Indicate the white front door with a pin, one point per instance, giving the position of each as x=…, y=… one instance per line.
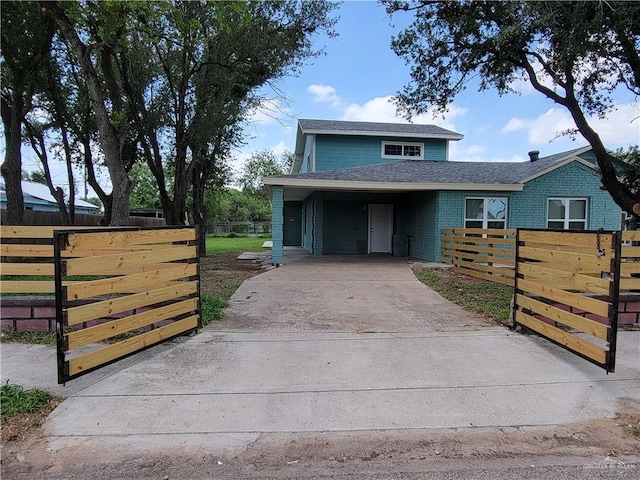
x=380, y=227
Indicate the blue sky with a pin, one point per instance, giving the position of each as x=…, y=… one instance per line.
x=359, y=74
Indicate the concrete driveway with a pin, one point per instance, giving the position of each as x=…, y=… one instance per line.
x=344, y=293
x=331, y=344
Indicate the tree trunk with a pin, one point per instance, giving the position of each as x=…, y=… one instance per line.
x=199, y=182
x=12, y=166
x=625, y=199
x=111, y=140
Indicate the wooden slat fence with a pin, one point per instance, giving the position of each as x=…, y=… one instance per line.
x=566, y=289
x=482, y=253
x=146, y=289
x=630, y=262
x=27, y=259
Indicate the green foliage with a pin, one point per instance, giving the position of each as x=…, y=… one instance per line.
x=144, y=193
x=574, y=53
x=581, y=45
x=36, y=176
x=38, y=338
x=261, y=164
x=15, y=400
x=631, y=173
x=212, y=307
x=230, y=205
x=234, y=244
x=486, y=298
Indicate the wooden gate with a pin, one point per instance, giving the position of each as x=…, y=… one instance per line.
x=121, y=291
x=567, y=288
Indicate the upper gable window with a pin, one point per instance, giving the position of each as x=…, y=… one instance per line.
x=409, y=150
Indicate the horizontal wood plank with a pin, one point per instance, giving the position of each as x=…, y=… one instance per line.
x=113, y=306
x=483, y=267
x=130, y=323
x=590, y=327
x=118, y=350
x=630, y=252
x=100, y=251
x=564, y=280
x=19, y=250
x=576, y=300
x=26, y=232
x=129, y=283
x=135, y=237
x=27, y=286
x=31, y=286
x=485, y=231
x=27, y=269
x=627, y=268
x=568, y=261
x=485, y=276
x=629, y=283
x=631, y=236
x=573, y=342
x=129, y=262
x=573, y=239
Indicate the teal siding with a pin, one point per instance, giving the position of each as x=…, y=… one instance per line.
x=423, y=213
x=318, y=223
x=307, y=155
x=345, y=227
x=341, y=151
x=307, y=225
x=528, y=209
x=277, y=206
x=292, y=227
x=589, y=156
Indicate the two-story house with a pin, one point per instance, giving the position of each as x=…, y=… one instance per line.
x=363, y=188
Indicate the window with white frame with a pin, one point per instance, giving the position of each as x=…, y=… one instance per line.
x=408, y=150
x=485, y=212
x=567, y=213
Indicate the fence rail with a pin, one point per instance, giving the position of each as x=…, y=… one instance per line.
x=38, y=218
x=140, y=287
x=484, y=253
x=566, y=289
x=490, y=254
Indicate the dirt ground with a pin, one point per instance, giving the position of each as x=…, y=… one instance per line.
x=222, y=272
x=340, y=455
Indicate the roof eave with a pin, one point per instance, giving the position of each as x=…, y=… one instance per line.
x=443, y=136
x=397, y=186
x=555, y=166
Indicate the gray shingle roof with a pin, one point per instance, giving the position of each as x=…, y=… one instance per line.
x=424, y=171
x=373, y=128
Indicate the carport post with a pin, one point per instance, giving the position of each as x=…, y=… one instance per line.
x=277, y=222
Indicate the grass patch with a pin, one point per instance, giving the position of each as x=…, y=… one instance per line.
x=236, y=244
x=16, y=400
x=212, y=306
x=492, y=300
x=38, y=338
x=23, y=410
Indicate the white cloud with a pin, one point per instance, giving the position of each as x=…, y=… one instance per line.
x=475, y=153
x=324, y=94
x=280, y=148
x=618, y=128
x=382, y=109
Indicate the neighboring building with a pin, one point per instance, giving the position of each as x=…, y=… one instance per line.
x=355, y=187
x=37, y=197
